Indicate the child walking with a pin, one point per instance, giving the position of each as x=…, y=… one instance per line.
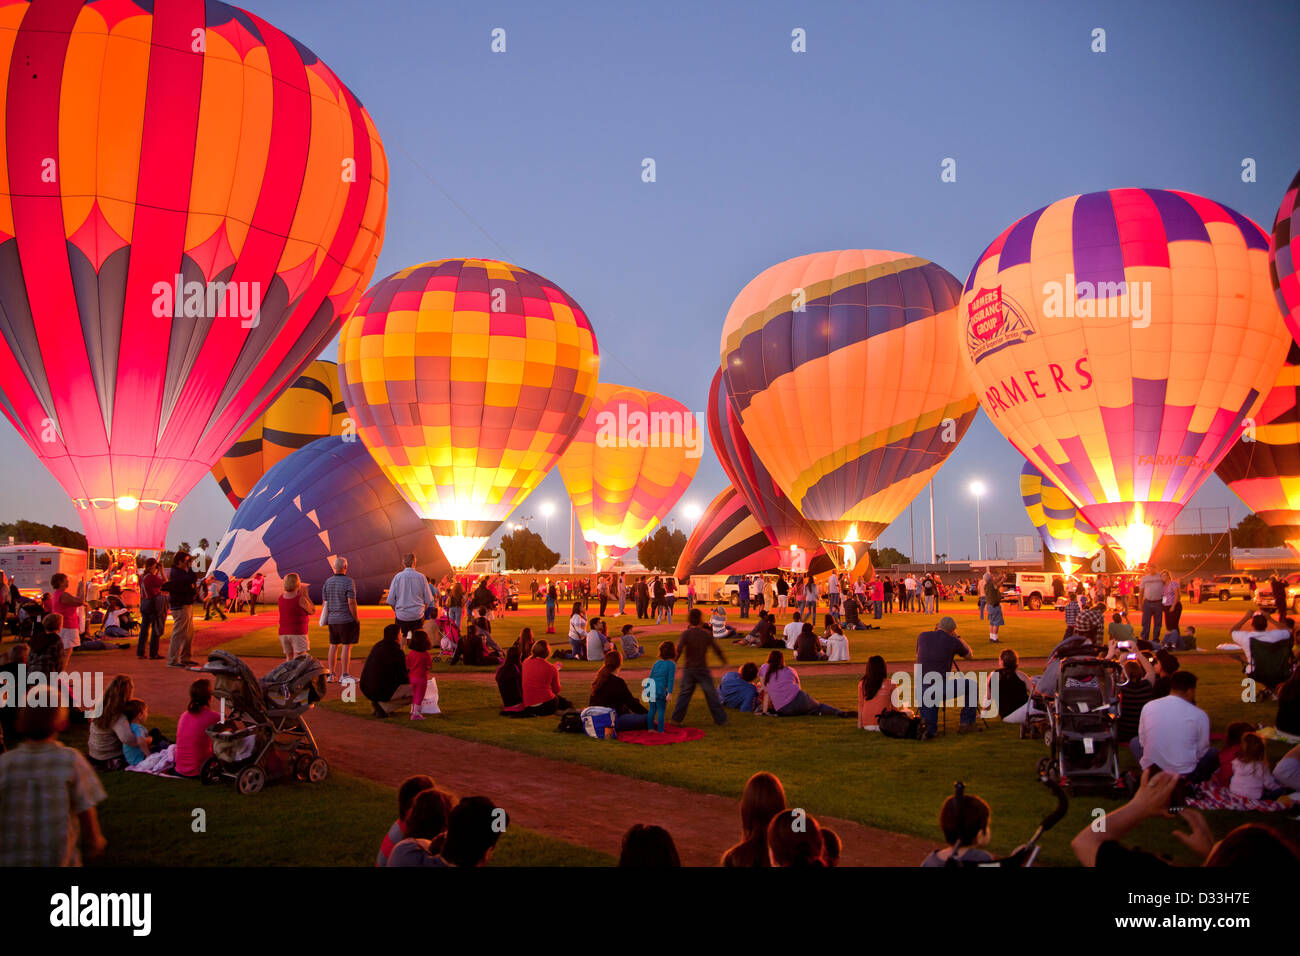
x=418, y=662
x=661, y=685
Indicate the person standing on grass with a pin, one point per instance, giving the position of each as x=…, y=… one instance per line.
x=622, y=592
x=339, y=595
x=692, y=650
x=782, y=593
x=660, y=686
x=295, y=611
x=409, y=595
x=153, y=611
x=68, y=605
x=993, y=604
x=1152, y=587
x=552, y=599
x=255, y=592
x=180, y=595
x=456, y=602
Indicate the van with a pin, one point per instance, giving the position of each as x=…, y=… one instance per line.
x=30, y=567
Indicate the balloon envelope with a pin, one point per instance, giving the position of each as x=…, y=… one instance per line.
x=729, y=540
x=769, y=505
x=627, y=466
x=311, y=408
x=1263, y=468
x=176, y=240
x=326, y=500
x=1119, y=340
x=1283, y=251
x=1066, y=534
x=844, y=372
x=467, y=378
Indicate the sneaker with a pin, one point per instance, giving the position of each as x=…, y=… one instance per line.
x=156, y=657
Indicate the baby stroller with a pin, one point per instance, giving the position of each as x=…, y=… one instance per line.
x=1082, y=732
x=263, y=733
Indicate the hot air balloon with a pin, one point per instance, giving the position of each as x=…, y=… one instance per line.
x=842, y=368
x=467, y=378
x=1066, y=534
x=629, y=463
x=729, y=540
x=191, y=203
x=1120, y=340
x=324, y=501
x=311, y=408
x=1282, y=257
x=767, y=503
x=1263, y=468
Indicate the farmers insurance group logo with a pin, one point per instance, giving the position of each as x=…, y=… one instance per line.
x=994, y=321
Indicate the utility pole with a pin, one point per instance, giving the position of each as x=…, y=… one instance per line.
x=911, y=524
x=570, y=536
x=933, y=553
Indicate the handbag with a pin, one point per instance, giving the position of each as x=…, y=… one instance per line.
x=899, y=725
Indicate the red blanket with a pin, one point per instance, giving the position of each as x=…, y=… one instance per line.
x=670, y=735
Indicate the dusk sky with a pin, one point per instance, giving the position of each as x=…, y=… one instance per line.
x=535, y=155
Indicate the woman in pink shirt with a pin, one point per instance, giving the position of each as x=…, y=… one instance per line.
x=541, y=683
x=193, y=747
x=875, y=692
x=295, y=606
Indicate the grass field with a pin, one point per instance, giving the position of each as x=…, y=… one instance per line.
x=151, y=821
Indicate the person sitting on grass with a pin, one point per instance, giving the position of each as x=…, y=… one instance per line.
x=627, y=644
x=875, y=694
x=610, y=690
x=837, y=645
x=473, y=828
x=738, y=689
x=807, y=647
x=510, y=683
x=596, y=642
x=110, y=730
x=1231, y=747
x=757, y=636
x=964, y=820
x=137, y=712
x=385, y=681
x=1119, y=629
x=763, y=799
x=648, y=847
x=1008, y=685
x=406, y=794
x=1252, y=847
x=794, y=839
x=722, y=631
x=48, y=793
x=1174, y=734
x=193, y=746
x=473, y=649
x=1251, y=777
x=541, y=684
x=784, y=697
x=425, y=826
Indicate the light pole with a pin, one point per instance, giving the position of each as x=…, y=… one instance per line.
x=977, y=489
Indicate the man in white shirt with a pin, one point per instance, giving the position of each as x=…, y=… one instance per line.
x=409, y=595
x=909, y=583
x=597, y=645
x=792, y=631
x=1174, y=734
x=1262, y=628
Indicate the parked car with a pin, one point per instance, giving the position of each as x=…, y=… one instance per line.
x=729, y=592
x=1036, y=588
x=1228, y=586
x=1264, y=594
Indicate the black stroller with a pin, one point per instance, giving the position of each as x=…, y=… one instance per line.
x=264, y=734
x=1082, y=727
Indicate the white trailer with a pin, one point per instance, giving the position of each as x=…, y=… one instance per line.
x=31, y=566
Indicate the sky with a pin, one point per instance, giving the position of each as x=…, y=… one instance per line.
x=535, y=156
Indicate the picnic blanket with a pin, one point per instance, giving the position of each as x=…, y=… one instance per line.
x=159, y=764
x=1213, y=796
x=670, y=735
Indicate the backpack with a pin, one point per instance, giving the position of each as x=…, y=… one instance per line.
x=598, y=722
x=897, y=724
x=570, y=723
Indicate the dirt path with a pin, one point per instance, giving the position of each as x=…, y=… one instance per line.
x=564, y=800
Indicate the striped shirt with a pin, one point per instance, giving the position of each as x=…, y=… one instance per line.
x=335, y=592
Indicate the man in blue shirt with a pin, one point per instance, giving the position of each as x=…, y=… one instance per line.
x=409, y=596
x=737, y=688
x=935, y=651
x=742, y=587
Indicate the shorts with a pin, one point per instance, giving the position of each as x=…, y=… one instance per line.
x=347, y=632
x=69, y=637
x=783, y=600
x=294, y=644
x=995, y=615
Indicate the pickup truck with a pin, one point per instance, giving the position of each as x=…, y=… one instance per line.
x=1264, y=594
